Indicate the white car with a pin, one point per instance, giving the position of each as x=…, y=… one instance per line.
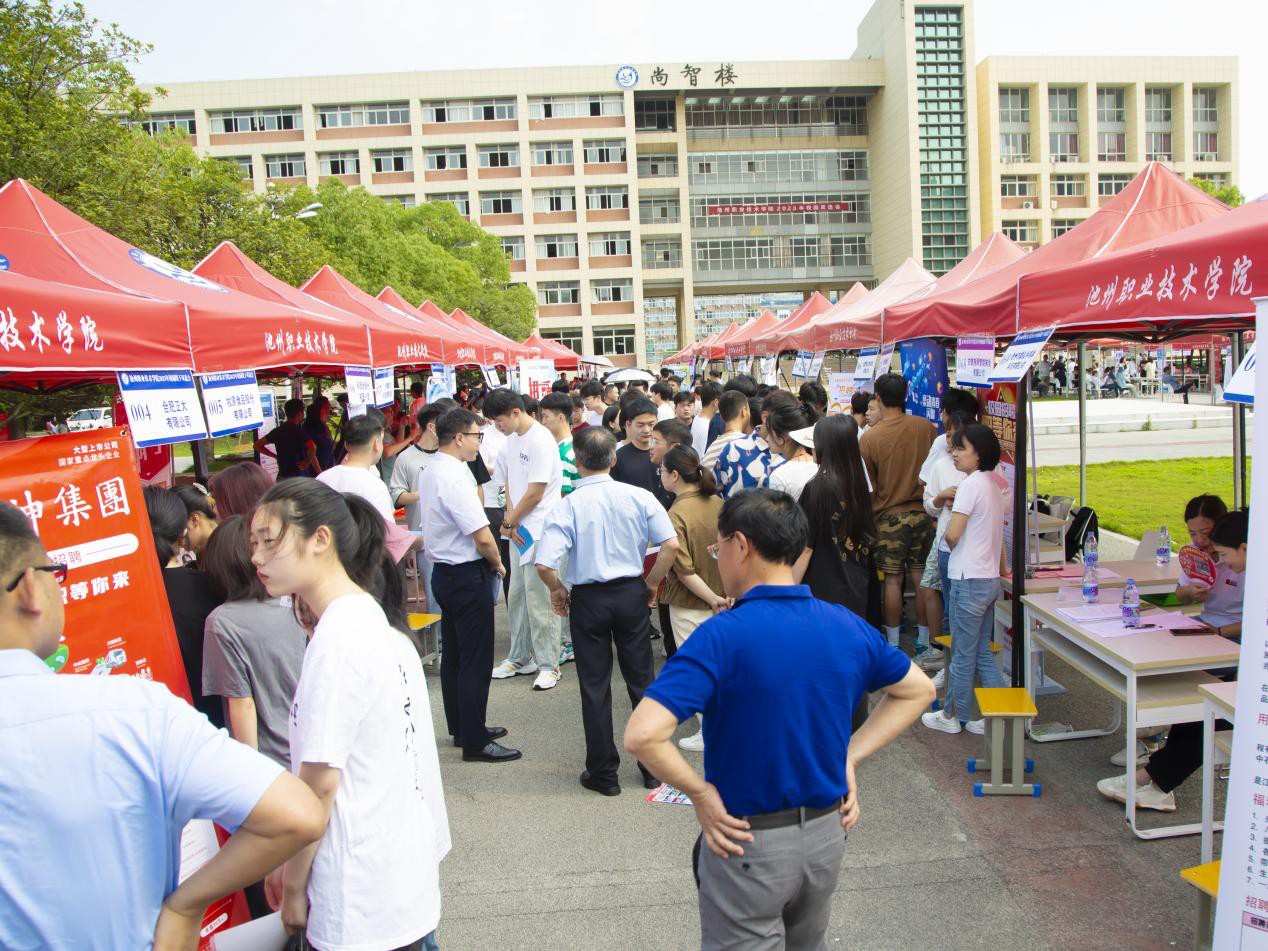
x=98, y=417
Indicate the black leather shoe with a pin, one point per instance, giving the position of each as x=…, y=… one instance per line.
x=492, y=753
x=495, y=733
x=650, y=781
x=595, y=786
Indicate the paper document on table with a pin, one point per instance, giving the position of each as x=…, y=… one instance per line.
x=1175, y=621
x=1102, y=574
x=1069, y=593
x=1116, y=629
x=1091, y=612
x=1169, y=621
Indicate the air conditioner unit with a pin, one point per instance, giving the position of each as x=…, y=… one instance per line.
x=1028, y=204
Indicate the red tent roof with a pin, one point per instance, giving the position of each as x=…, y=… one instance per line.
x=850, y=325
x=505, y=351
x=456, y=349
x=715, y=348
x=767, y=344
x=741, y=344
x=415, y=346
x=1156, y=202
x=1198, y=278
x=565, y=357
x=227, y=330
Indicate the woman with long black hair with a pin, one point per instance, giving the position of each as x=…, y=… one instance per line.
x=361, y=735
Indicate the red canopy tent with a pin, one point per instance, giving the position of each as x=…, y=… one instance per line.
x=739, y=347
x=565, y=357
x=856, y=324
x=715, y=347
x=505, y=352
x=1156, y=202
x=456, y=349
x=767, y=344
x=414, y=345
x=227, y=330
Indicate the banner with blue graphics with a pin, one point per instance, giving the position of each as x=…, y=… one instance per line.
x=925, y=369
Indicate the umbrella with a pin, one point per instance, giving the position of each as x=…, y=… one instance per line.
x=629, y=375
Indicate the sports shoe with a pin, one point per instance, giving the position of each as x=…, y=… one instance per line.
x=508, y=668
x=930, y=658
x=936, y=721
x=1148, y=796
x=976, y=726
x=940, y=679
x=547, y=677
x=693, y=743
x=566, y=655
x=1142, y=755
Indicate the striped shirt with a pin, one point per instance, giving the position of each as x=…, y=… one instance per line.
x=569, y=462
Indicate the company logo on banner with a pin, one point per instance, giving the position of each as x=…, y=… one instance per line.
x=1020, y=355
x=360, y=386
x=924, y=366
x=162, y=406
x=232, y=401
x=974, y=359
x=384, y=383
x=159, y=266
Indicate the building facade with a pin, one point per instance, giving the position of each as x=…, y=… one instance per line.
x=648, y=204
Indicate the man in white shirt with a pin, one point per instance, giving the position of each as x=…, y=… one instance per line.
x=466, y=568
x=592, y=396
x=663, y=397
x=358, y=473
x=709, y=395
x=531, y=470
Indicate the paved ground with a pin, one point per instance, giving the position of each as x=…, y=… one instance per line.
x=540, y=863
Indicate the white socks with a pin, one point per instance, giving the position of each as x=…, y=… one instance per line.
x=892, y=634
x=922, y=635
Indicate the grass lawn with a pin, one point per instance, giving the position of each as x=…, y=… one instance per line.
x=1133, y=497
x=239, y=444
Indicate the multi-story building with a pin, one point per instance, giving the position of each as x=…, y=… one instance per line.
x=638, y=199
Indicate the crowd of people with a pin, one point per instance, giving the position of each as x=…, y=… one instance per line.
x=606, y=519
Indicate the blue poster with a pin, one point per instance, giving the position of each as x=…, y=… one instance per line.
x=925, y=369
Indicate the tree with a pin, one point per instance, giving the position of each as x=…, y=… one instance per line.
x=1231, y=195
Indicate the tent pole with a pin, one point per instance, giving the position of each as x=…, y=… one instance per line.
x=1020, y=640
x=1082, y=358
x=1239, y=425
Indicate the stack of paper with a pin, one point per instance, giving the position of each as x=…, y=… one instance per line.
x=1085, y=613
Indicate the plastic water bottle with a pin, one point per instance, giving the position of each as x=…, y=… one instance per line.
x=1131, y=604
x=1089, y=550
x=1091, y=583
x=1164, y=548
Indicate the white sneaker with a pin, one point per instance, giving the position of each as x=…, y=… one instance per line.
x=693, y=743
x=1148, y=796
x=976, y=726
x=931, y=659
x=546, y=678
x=940, y=679
x=508, y=668
x=1142, y=755
x=936, y=721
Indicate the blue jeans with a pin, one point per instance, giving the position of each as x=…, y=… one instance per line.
x=944, y=566
x=429, y=942
x=972, y=622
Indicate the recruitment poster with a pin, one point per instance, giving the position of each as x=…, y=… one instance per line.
x=840, y=389
x=536, y=377
x=924, y=364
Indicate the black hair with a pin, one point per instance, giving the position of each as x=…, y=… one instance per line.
x=762, y=390
x=709, y=392
x=18, y=541
x=743, y=383
x=731, y=405
x=1205, y=506
x=813, y=396
x=777, y=398
x=168, y=520
x=361, y=430
x=593, y=448
x=313, y=414
x=357, y=531
x=785, y=419
x=772, y=521
x=957, y=400
x=431, y=413
x=196, y=501
x=531, y=406
x=663, y=390
x=560, y=403
x=592, y=388
x=891, y=390
x=859, y=400
x=836, y=498
x=227, y=563
x=610, y=416
x=639, y=406
x=628, y=394
x=754, y=410
x=577, y=401
x=958, y=420
x=1232, y=530
x=501, y=402
x=984, y=442
x=559, y=386
x=293, y=408
x=684, y=461
x=416, y=388
x=453, y=422
x=684, y=396
x=674, y=431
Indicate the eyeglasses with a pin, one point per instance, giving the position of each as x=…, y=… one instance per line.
x=479, y=436
x=59, y=572
x=713, y=551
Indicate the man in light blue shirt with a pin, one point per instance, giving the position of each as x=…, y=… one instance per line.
x=100, y=776
x=605, y=528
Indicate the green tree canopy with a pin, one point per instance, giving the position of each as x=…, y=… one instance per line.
x=1231, y=195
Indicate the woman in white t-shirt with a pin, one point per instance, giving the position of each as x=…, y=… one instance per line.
x=975, y=535
x=361, y=734
x=790, y=432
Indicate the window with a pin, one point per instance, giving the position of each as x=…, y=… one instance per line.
x=559, y=292
x=574, y=107
x=350, y=116
x=570, y=337
x=243, y=165
x=1017, y=186
x=501, y=203
x=284, y=166
x=1014, y=147
x=654, y=115
x=468, y=110
x=732, y=254
x=552, y=153
x=613, y=340
x=1110, y=109
x=655, y=210
x=1061, y=225
x=810, y=115
x=849, y=250
x=405, y=201
x=1064, y=146
x=1158, y=146
x=499, y=156
x=769, y=168
x=657, y=166
x=339, y=163
x=662, y=253
x=257, y=120
x=804, y=252
x=1023, y=232
x=607, y=196
x=1206, y=146
x=1158, y=106
x=393, y=160
x=1111, y=147
x=547, y=200
x=557, y=246
x=612, y=290
x=1205, y=105
x=459, y=200
x=603, y=151
x=156, y=123
x=513, y=245
x=1063, y=105
x=1014, y=105
x=610, y=244
x=1069, y=186
x=446, y=157
x=1107, y=185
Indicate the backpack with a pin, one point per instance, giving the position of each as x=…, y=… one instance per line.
x=1082, y=521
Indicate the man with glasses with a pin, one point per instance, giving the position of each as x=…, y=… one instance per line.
x=91, y=763
x=603, y=528
x=466, y=576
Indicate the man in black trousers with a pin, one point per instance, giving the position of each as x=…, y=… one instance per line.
x=466, y=561
x=605, y=527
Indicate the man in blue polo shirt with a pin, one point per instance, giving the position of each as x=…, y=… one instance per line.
x=779, y=756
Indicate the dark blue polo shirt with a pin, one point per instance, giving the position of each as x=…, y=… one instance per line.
x=777, y=678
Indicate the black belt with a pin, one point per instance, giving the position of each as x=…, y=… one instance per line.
x=789, y=817
x=600, y=584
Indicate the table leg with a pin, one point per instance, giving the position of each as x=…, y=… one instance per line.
x=1208, y=781
x=1131, y=750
